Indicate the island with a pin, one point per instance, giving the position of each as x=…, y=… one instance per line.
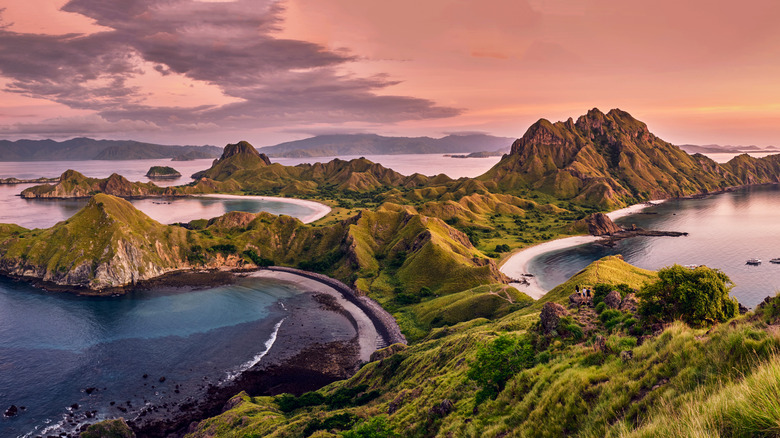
x=162, y=172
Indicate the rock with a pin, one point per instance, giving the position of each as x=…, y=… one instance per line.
x=442, y=409
x=742, y=309
x=90, y=390
x=600, y=224
x=576, y=300
x=613, y=299
x=11, y=411
x=626, y=355
x=630, y=303
x=74, y=406
x=162, y=379
x=551, y=316
x=386, y=352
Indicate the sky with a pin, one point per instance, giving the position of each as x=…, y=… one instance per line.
x=216, y=72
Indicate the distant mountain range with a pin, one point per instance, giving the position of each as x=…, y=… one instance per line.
x=715, y=148
x=81, y=148
x=372, y=144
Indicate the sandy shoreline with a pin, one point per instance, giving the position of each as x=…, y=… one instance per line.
x=368, y=336
x=516, y=265
x=319, y=209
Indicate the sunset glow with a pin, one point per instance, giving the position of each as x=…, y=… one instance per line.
x=186, y=71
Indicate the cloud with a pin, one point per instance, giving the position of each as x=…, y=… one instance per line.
x=61, y=127
x=279, y=81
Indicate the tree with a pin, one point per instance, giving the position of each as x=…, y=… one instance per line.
x=699, y=296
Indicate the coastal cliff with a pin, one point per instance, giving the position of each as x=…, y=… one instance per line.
x=73, y=184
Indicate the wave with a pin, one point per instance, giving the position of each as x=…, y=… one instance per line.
x=258, y=357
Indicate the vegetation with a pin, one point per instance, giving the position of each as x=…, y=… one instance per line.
x=699, y=297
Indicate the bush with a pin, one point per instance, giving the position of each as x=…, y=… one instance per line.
x=376, y=427
x=497, y=362
x=256, y=259
x=502, y=248
x=699, y=297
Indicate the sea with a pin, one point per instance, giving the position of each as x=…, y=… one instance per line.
x=724, y=231
x=64, y=357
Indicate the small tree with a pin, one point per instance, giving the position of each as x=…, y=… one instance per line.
x=699, y=297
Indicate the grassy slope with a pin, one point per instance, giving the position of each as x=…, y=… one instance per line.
x=680, y=374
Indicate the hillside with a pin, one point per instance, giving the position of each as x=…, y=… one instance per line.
x=75, y=185
x=610, y=160
x=79, y=149
x=564, y=371
x=372, y=144
x=106, y=244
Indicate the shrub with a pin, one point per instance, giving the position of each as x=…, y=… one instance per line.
x=376, y=427
x=256, y=259
x=497, y=362
x=699, y=297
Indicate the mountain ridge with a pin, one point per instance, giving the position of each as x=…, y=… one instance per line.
x=374, y=144
x=82, y=148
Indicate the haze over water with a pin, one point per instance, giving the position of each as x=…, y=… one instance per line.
x=724, y=230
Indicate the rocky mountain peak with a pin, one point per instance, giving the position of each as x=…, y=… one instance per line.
x=242, y=148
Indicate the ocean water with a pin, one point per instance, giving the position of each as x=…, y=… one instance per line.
x=724, y=230
x=53, y=346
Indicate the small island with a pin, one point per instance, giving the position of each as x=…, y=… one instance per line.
x=162, y=172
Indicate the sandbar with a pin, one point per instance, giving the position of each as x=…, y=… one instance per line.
x=319, y=210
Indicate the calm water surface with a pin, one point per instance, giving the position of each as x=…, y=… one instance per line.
x=54, y=346
x=724, y=231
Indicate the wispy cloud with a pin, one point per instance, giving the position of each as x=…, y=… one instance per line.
x=272, y=81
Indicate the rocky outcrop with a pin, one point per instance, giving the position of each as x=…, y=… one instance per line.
x=598, y=224
x=630, y=303
x=613, y=299
x=550, y=317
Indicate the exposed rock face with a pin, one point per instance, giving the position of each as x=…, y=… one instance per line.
x=613, y=299
x=386, y=352
x=576, y=300
x=599, y=224
x=629, y=303
x=550, y=317
x=612, y=159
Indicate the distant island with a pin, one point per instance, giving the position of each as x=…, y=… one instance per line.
x=483, y=154
x=727, y=149
x=372, y=144
x=162, y=172
x=81, y=148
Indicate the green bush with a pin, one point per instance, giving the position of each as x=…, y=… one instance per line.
x=376, y=427
x=256, y=259
x=497, y=362
x=699, y=297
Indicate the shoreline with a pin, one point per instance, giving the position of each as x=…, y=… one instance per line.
x=516, y=264
x=320, y=210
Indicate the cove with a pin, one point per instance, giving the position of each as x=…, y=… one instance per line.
x=67, y=358
x=724, y=229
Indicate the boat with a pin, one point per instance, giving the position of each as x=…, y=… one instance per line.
x=754, y=262
x=776, y=261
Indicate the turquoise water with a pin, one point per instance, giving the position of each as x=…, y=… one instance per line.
x=54, y=346
x=724, y=230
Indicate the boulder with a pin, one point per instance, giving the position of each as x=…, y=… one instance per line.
x=11, y=411
x=629, y=303
x=613, y=299
x=550, y=317
x=600, y=344
x=576, y=300
x=599, y=224
x=442, y=409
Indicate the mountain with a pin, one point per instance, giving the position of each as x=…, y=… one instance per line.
x=372, y=144
x=73, y=184
x=79, y=149
x=610, y=160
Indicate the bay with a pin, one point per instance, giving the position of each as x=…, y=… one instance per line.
x=725, y=230
x=55, y=346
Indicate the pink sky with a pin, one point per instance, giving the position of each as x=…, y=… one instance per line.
x=195, y=72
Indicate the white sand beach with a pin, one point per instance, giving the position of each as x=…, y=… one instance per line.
x=517, y=264
x=319, y=210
